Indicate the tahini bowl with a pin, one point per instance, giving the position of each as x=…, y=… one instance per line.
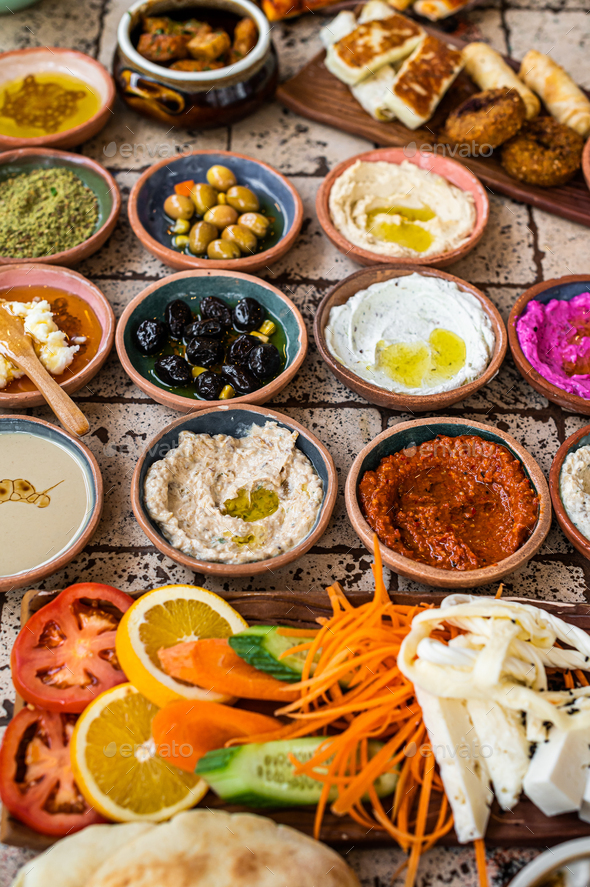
x=580, y=438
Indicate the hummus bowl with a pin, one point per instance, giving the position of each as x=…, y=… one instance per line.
x=384, y=397
x=235, y=423
x=563, y=289
x=455, y=175
x=574, y=442
x=192, y=287
x=407, y=437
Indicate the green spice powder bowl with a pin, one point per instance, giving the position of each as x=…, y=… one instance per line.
x=92, y=174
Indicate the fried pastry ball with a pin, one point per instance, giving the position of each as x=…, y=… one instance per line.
x=544, y=152
x=487, y=118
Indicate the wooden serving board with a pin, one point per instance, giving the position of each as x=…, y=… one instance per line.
x=524, y=826
x=315, y=93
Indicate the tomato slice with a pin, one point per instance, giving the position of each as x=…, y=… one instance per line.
x=36, y=780
x=65, y=655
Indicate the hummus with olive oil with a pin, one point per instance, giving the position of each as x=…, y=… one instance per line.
x=398, y=209
x=234, y=500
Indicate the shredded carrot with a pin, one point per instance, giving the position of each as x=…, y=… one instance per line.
x=581, y=677
x=500, y=590
x=288, y=632
x=568, y=680
x=480, y=858
x=184, y=188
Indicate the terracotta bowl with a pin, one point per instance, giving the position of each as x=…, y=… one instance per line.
x=579, y=439
x=235, y=422
x=344, y=290
x=19, y=63
x=411, y=434
x=92, y=174
x=557, y=288
x=586, y=162
x=82, y=455
x=548, y=866
x=192, y=286
x=455, y=172
x=72, y=282
x=275, y=192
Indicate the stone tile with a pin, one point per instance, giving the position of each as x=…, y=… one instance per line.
x=504, y=297
x=564, y=245
x=297, y=41
x=315, y=384
x=555, y=6
x=489, y=23
x=573, y=423
x=565, y=35
x=538, y=436
x=508, y=390
x=65, y=23
x=505, y=253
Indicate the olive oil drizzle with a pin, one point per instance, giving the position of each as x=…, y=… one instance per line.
x=404, y=233
x=252, y=506
x=42, y=105
x=423, y=364
x=21, y=490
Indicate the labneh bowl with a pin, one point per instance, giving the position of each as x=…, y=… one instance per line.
x=236, y=423
x=275, y=193
x=408, y=435
x=580, y=438
x=562, y=288
x=92, y=174
x=81, y=455
x=366, y=277
x=192, y=286
x=454, y=172
x=31, y=274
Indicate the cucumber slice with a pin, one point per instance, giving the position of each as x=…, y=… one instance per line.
x=262, y=646
x=261, y=775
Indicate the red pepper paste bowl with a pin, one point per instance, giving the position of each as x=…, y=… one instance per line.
x=407, y=436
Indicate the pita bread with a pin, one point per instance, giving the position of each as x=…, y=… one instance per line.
x=71, y=861
x=205, y=848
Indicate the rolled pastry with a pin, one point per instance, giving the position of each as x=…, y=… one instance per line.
x=562, y=98
x=373, y=92
x=343, y=25
x=488, y=70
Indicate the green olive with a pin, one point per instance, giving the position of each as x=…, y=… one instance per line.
x=242, y=199
x=178, y=207
x=223, y=249
x=180, y=226
x=221, y=177
x=242, y=236
x=202, y=233
x=256, y=222
x=204, y=197
x=221, y=216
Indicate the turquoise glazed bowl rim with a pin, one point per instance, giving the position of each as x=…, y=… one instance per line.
x=417, y=431
x=89, y=466
x=225, y=416
x=109, y=201
x=297, y=341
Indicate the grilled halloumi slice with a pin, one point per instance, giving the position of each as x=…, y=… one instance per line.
x=344, y=24
x=422, y=81
x=372, y=45
x=372, y=93
x=375, y=10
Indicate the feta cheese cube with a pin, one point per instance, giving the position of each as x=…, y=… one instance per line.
x=557, y=774
x=502, y=732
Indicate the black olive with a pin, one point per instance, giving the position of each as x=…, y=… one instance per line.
x=212, y=308
x=151, y=336
x=211, y=328
x=264, y=361
x=178, y=315
x=204, y=352
x=248, y=315
x=173, y=370
x=240, y=348
x=240, y=379
x=210, y=385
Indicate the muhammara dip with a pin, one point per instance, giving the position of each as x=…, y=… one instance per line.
x=234, y=499
x=412, y=335
x=574, y=488
x=400, y=210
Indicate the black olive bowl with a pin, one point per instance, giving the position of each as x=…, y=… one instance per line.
x=192, y=287
x=236, y=423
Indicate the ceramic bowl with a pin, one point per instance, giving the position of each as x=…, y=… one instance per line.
x=234, y=422
x=19, y=63
x=451, y=170
x=579, y=439
x=194, y=100
x=72, y=282
x=192, y=286
x=344, y=290
x=92, y=174
x=543, y=869
x=411, y=434
x=586, y=162
x=559, y=288
x=275, y=192
x=10, y=424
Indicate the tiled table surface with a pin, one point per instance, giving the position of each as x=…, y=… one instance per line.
x=522, y=246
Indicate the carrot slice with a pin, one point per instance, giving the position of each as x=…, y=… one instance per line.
x=215, y=666
x=186, y=730
x=184, y=188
